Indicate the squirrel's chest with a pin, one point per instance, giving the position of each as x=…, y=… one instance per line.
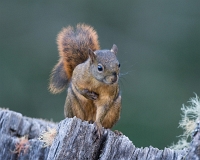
x=106, y=93
x=90, y=111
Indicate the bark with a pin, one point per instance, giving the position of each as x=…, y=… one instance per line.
x=76, y=140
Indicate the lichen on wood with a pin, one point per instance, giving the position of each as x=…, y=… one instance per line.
x=75, y=139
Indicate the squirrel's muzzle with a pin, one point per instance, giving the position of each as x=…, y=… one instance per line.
x=111, y=78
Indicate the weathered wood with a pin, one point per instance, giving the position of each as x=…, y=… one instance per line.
x=74, y=140
x=13, y=126
x=194, y=148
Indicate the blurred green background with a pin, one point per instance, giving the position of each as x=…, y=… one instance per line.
x=159, y=52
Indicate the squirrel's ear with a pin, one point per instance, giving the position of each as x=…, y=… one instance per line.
x=92, y=55
x=114, y=49
x=58, y=78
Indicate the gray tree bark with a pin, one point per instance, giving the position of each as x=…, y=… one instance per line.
x=76, y=140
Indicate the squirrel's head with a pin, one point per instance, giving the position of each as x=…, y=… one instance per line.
x=104, y=65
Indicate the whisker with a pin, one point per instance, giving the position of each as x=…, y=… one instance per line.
x=122, y=74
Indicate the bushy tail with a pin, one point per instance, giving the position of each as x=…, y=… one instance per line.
x=73, y=47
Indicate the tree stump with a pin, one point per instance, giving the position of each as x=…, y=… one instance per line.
x=76, y=139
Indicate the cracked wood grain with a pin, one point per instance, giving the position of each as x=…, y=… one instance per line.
x=75, y=139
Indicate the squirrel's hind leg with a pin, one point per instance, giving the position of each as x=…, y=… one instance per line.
x=72, y=106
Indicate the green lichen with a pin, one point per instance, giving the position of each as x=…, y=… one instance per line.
x=190, y=116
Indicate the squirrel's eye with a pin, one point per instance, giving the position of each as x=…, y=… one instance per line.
x=119, y=65
x=100, y=68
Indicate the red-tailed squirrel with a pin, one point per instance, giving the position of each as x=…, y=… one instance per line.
x=91, y=76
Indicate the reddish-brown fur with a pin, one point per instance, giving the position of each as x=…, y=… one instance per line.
x=71, y=47
x=77, y=66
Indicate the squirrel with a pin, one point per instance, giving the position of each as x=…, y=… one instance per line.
x=91, y=75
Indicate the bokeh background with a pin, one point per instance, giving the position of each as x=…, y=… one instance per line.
x=159, y=51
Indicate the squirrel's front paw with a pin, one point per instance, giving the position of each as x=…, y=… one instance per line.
x=99, y=129
x=89, y=95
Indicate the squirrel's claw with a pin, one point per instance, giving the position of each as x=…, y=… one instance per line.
x=99, y=129
x=90, y=121
x=118, y=133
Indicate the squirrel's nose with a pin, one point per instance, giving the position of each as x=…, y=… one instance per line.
x=110, y=79
x=114, y=77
